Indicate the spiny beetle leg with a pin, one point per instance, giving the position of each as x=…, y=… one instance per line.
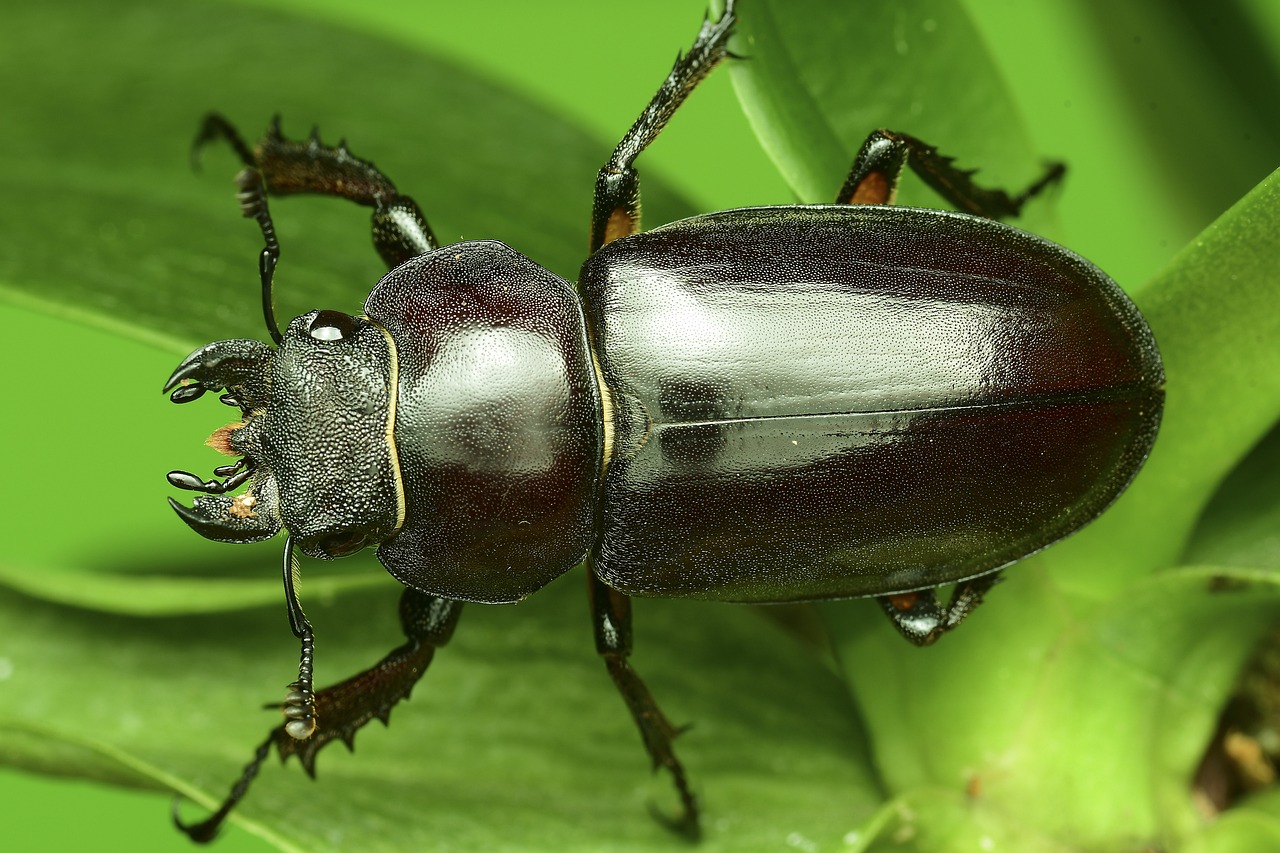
x=615, y=210
x=399, y=229
x=342, y=709
x=920, y=617
x=611, y=615
x=878, y=168
x=253, y=205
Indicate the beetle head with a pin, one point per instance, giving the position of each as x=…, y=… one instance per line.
x=314, y=439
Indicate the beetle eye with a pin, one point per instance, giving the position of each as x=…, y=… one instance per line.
x=332, y=326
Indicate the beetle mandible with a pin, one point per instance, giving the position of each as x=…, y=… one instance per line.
x=757, y=405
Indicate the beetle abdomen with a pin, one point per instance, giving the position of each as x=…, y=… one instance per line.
x=847, y=400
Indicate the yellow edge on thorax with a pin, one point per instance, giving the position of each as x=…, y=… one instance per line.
x=393, y=396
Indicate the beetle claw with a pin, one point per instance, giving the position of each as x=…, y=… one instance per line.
x=228, y=519
x=239, y=365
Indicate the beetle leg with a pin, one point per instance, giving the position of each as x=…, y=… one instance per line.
x=920, y=617
x=342, y=709
x=399, y=229
x=878, y=168
x=611, y=613
x=253, y=205
x=615, y=210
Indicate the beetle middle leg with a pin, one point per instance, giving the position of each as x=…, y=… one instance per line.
x=615, y=210
x=611, y=615
x=878, y=168
x=922, y=619
x=344, y=708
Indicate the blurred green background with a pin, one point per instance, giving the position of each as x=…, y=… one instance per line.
x=1129, y=94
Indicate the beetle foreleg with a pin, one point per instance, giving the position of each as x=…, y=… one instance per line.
x=615, y=210
x=878, y=168
x=611, y=614
x=399, y=229
x=342, y=709
x=920, y=617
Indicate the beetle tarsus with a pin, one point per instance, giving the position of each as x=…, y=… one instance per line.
x=658, y=734
x=206, y=830
x=253, y=205
x=886, y=153
x=922, y=619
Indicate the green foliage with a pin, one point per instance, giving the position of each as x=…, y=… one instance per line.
x=1069, y=713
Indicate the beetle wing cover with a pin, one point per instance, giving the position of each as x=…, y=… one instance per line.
x=846, y=400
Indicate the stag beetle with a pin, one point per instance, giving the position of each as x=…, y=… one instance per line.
x=770, y=404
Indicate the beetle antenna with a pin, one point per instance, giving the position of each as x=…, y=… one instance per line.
x=299, y=711
x=253, y=205
x=300, y=701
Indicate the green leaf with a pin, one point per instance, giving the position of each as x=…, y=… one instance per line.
x=1241, y=525
x=114, y=228
x=1066, y=714
x=515, y=740
x=1215, y=311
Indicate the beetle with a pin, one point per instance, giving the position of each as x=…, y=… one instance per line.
x=762, y=405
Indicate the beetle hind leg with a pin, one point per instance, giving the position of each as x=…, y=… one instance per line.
x=611, y=614
x=342, y=709
x=878, y=168
x=922, y=619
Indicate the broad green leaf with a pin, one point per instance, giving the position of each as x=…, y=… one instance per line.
x=113, y=226
x=1215, y=311
x=1241, y=525
x=990, y=738
x=160, y=255
x=515, y=740
x=1077, y=730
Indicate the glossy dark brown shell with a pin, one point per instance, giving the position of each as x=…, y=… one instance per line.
x=832, y=401
x=497, y=423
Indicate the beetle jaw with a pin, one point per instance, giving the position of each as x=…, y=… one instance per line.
x=224, y=518
x=243, y=368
